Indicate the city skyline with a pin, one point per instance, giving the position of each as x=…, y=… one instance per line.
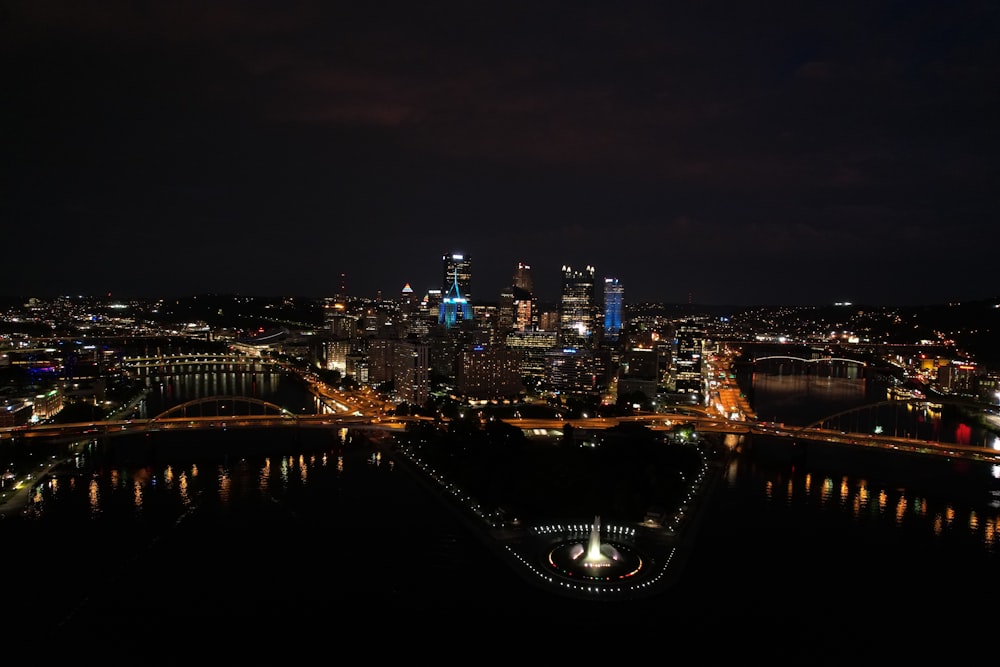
x=723, y=154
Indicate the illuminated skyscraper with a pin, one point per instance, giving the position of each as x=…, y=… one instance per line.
x=411, y=371
x=457, y=269
x=614, y=295
x=522, y=277
x=518, y=310
x=690, y=338
x=576, y=308
x=533, y=347
x=407, y=299
x=454, y=307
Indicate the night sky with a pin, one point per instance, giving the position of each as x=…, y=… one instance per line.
x=718, y=152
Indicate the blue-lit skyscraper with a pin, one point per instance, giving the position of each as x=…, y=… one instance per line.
x=614, y=296
x=457, y=270
x=456, y=286
x=454, y=307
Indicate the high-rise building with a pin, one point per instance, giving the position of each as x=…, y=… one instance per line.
x=525, y=310
x=404, y=362
x=505, y=319
x=488, y=372
x=336, y=353
x=407, y=299
x=614, y=295
x=411, y=371
x=690, y=337
x=522, y=277
x=381, y=357
x=570, y=370
x=548, y=319
x=532, y=346
x=431, y=303
x=518, y=310
x=576, y=308
x=457, y=270
x=454, y=307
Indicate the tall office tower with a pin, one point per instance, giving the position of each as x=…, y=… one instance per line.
x=690, y=338
x=505, y=316
x=414, y=318
x=532, y=346
x=518, y=310
x=381, y=355
x=576, y=309
x=457, y=269
x=525, y=310
x=431, y=302
x=454, y=307
x=411, y=371
x=525, y=302
x=407, y=299
x=342, y=326
x=614, y=296
x=548, y=320
x=522, y=277
x=337, y=351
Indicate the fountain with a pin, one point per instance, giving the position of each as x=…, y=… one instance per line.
x=596, y=554
x=594, y=560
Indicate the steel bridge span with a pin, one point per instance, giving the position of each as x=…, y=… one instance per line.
x=206, y=361
x=916, y=417
x=815, y=360
x=248, y=412
x=785, y=364
x=219, y=403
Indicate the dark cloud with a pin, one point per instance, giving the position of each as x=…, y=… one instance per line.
x=721, y=151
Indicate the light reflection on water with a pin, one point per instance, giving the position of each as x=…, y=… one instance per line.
x=861, y=499
x=265, y=475
x=137, y=492
x=170, y=489
x=94, y=496
x=827, y=490
x=224, y=484
x=942, y=519
x=899, y=507
x=101, y=491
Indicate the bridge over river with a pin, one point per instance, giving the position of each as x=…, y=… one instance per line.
x=236, y=412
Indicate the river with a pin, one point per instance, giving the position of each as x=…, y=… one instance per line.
x=283, y=535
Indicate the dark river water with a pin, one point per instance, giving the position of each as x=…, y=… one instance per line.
x=240, y=536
